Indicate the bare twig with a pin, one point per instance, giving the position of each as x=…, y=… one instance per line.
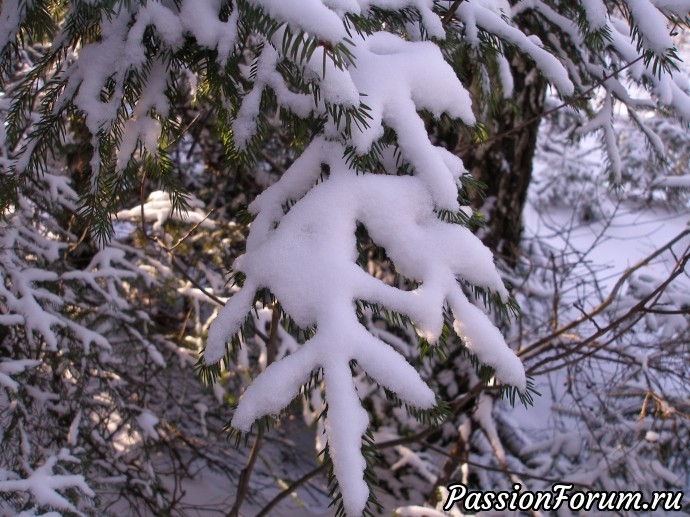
x=535, y=348
x=192, y=230
x=584, y=313
x=290, y=489
x=556, y=293
x=243, y=485
x=245, y=475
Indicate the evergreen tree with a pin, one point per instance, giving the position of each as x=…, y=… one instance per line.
x=343, y=93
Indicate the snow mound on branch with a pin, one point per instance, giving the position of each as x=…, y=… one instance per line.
x=309, y=263
x=158, y=209
x=395, y=79
x=399, y=78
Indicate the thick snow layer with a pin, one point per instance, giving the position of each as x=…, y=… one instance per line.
x=200, y=18
x=651, y=24
x=10, y=15
x=595, y=11
x=310, y=15
x=142, y=126
x=395, y=79
x=398, y=78
x=308, y=263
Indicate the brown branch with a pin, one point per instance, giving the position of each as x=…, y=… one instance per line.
x=450, y=12
x=638, y=309
x=538, y=346
x=243, y=485
x=290, y=489
x=271, y=344
x=664, y=311
x=245, y=475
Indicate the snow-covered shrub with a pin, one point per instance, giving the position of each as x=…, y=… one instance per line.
x=68, y=395
x=92, y=382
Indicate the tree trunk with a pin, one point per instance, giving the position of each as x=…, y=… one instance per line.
x=504, y=165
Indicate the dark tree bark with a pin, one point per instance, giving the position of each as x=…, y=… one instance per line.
x=504, y=165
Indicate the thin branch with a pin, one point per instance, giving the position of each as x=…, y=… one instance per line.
x=451, y=12
x=245, y=475
x=584, y=313
x=665, y=311
x=290, y=489
x=243, y=485
x=192, y=230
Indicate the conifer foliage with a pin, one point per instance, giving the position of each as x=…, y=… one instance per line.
x=352, y=85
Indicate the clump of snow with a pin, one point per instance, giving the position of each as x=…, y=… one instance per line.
x=308, y=262
x=595, y=12
x=651, y=436
x=45, y=485
x=147, y=423
x=651, y=24
x=399, y=78
x=159, y=209
x=10, y=15
x=310, y=15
